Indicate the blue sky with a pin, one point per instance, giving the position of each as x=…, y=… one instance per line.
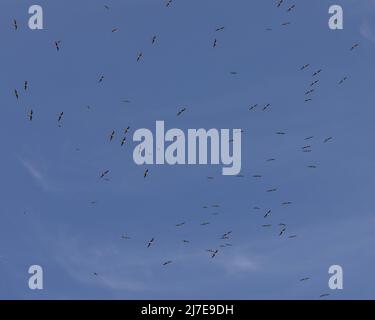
x=48, y=186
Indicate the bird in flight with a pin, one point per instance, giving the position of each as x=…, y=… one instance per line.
x=220, y=29
x=181, y=111
x=101, y=79
x=114, y=30
x=139, y=57
x=205, y=223
x=167, y=262
x=153, y=39
x=145, y=174
x=16, y=93
x=286, y=203
x=266, y=107
x=180, y=224
x=214, y=253
x=125, y=237
x=314, y=83
x=104, y=173
x=324, y=295
x=271, y=190
x=305, y=66
x=215, y=43
x=60, y=116
x=343, y=79
x=328, y=139
x=169, y=2
x=253, y=107
x=30, y=115
x=126, y=130
x=312, y=166
x=112, y=135
x=267, y=213
x=26, y=84
x=107, y=7
x=282, y=231
x=354, y=46
x=304, y=279
x=291, y=8
x=317, y=72
x=57, y=45
x=150, y=243
x=15, y=24
x=123, y=140
x=310, y=137
x=286, y=24
x=280, y=3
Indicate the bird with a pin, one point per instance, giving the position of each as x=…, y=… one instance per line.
x=280, y=3
x=354, y=46
x=153, y=39
x=104, y=173
x=267, y=213
x=185, y=241
x=180, y=224
x=286, y=24
x=167, y=262
x=112, y=135
x=169, y=2
x=16, y=93
x=25, y=85
x=101, y=79
x=291, y=8
x=292, y=236
x=343, y=79
x=309, y=138
x=57, y=45
x=114, y=30
x=30, y=115
x=266, y=107
x=266, y=225
x=280, y=133
x=127, y=130
x=271, y=190
x=139, y=56
x=304, y=279
x=253, y=107
x=125, y=237
x=205, y=223
x=95, y=274
x=15, y=25
x=305, y=66
x=282, y=231
x=123, y=140
x=271, y=159
x=328, y=139
x=60, y=116
x=219, y=29
x=107, y=7
x=145, y=173
x=215, y=43
x=309, y=91
x=324, y=295
x=307, y=100
x=181, y=111
x=314, y=83
x=312, y=166
x=233, y=73
x=214, y=253
x=286, y=203
x=317, y=72
x=257, y=176
x=150, y=243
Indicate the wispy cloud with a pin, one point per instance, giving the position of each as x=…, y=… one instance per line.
x=367, y=31
x=35, y=174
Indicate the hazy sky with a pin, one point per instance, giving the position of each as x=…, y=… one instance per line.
x=50, y=174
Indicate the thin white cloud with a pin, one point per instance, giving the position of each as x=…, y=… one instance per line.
x=35, y=174
x=367, y=31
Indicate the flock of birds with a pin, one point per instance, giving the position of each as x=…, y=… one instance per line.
x=282, y=228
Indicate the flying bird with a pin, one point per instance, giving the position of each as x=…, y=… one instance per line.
x=145, y=174
x=328, y=139
x=57, y=45
x=317, y=72
x=30, y=115
x=123, y=140
x=101, y=79
x=153, y=39
x=304, y=279
x=169, y=2
x=280, y=3
x=139, y=57
x=114, y=30
x=104, y=173
x=15, y=24
x=16, y=93
x=305, y=66
x=150, y=243
x=60, y=116
x=354, y=46
x=181, y=111
x=291, y=8
x=220, y=29
x=267, y=213
x=167, y=262
x=112, y=135
x=253, y=107
x=343, y=79
x=215, y=43
x=25, y=86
